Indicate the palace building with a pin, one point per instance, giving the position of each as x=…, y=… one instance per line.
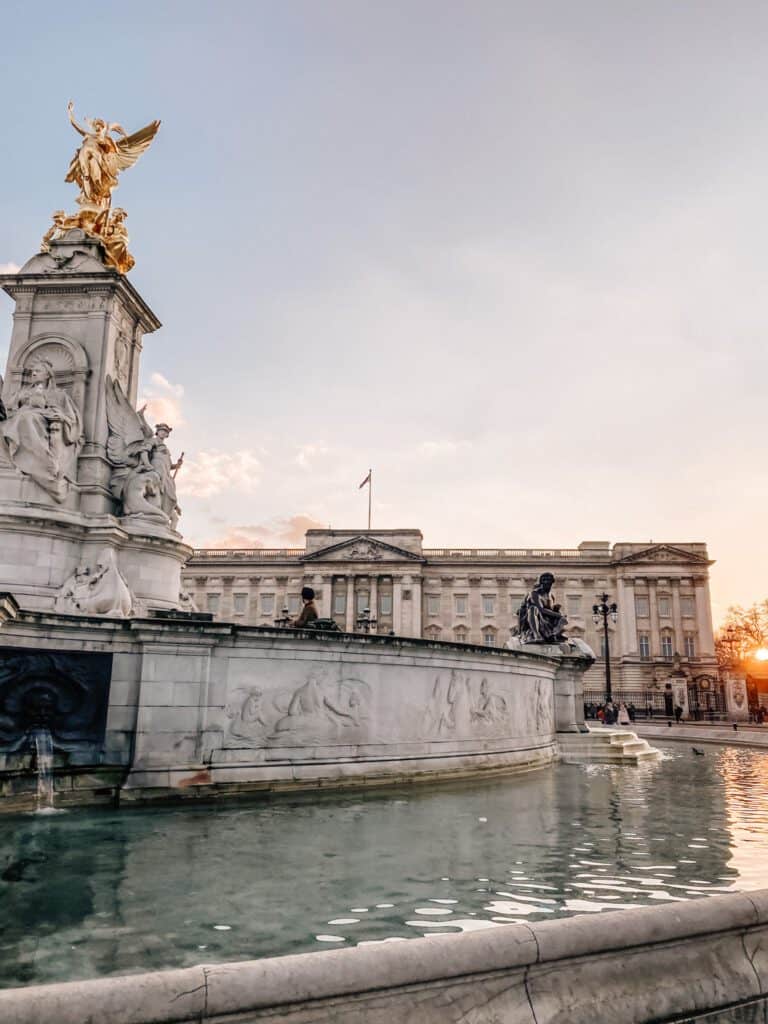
x=471, y=595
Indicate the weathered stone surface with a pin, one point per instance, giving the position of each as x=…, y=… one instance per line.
x=644, y=965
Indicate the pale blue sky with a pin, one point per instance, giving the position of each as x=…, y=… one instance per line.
x=509, y=254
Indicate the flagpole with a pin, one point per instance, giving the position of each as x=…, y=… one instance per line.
x=370, y=488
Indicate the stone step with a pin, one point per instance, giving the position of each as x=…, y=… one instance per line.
x=606, y=746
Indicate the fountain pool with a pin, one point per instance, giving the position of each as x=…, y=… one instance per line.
x=96, y=893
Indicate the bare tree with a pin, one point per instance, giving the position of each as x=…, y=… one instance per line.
x=743, y=631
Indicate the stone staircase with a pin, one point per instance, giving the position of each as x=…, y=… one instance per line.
x=605, y=745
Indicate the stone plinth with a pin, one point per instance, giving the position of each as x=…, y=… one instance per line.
x=85, y=323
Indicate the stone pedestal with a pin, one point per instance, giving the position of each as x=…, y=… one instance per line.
x=85, y=322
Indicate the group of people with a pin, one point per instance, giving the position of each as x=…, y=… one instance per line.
x=610, y=713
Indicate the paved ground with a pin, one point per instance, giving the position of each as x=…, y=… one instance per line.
x=745, y=735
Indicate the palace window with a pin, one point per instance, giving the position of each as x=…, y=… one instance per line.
x=489, y=637
x=515, y=600
x=213, y=603
x=644, y=643
x=666, y=645
x=602, y=645
x=489, y=604
x=293, y=604
x=688, y=607
x=460, y=634
x=433, y=604
x=574, y=604
x=665, y=606
x=240, y=604
x=267, y=604
x=385, y=604
x=460, y=601
x=361, y=601
x=433, y=632
x=690, y=645
x=642, y=607
x=339, y=603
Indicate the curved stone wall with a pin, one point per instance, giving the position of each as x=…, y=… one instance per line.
x=302, y=707
x=705, y=961
x=197, y=707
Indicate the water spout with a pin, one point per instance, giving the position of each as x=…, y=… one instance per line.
x=43, y=742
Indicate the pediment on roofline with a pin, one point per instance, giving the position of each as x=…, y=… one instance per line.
x=363, y=549
x=663, y=553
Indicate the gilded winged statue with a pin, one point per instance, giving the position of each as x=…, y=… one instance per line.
x=100, y=158
x=105, y=151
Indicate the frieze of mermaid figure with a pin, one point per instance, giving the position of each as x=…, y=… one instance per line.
x=98, y=591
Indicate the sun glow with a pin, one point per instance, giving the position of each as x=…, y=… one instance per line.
x=762, y=654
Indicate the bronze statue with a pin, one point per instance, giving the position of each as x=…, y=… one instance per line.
x=540, y=620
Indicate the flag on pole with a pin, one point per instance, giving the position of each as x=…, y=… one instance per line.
x=366, y=481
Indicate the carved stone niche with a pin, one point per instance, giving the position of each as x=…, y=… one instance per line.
x=62, y=691
x=69, y=361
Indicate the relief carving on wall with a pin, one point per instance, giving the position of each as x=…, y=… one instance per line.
x=462, y=706
x=316, y=713
x=365, y=552
x=101, y=590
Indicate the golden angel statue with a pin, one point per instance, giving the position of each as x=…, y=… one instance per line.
x=100, y=158
x=94, y=169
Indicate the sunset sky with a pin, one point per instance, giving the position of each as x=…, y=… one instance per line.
x=510, y=255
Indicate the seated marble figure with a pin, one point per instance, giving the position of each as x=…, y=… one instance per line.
x=42, y=432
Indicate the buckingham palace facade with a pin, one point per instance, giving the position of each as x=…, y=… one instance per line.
x=471, y=595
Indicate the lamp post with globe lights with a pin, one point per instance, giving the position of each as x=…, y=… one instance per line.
x=601, y=612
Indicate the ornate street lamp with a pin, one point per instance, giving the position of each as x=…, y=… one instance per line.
x=601, y=612
x=364, y=621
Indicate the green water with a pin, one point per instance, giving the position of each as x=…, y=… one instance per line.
x=93, y=893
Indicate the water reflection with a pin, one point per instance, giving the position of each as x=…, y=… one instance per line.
x=94, y=893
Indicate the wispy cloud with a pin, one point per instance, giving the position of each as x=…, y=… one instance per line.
x=276, y=533
x=163, y=401
x=309, y=453
x=438, y=449
x=214, y=472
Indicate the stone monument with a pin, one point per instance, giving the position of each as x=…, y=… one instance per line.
x=88, y=507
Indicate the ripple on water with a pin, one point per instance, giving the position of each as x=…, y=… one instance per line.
x=564, y=840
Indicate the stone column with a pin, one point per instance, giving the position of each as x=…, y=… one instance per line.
x=569, y=693
x=325, y=609
x=281, y=596
x=350, y=619
x=628, y=614
x=706, y=637
x=373, y=599
x=416, y=611
x=677, y=618
x=397, y=604
x=654, y=611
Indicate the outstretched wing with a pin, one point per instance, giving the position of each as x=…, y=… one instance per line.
x=131, y=147
x=128, y=430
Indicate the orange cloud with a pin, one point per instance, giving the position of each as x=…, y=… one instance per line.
x=277, y=533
